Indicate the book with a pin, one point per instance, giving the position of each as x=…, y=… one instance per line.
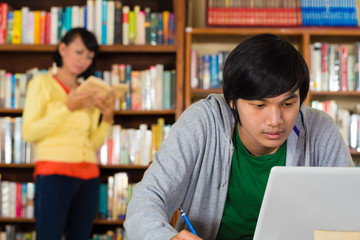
x=94, y=83
x=335, y=235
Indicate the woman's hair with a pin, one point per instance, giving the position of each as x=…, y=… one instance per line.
x=264, y=66
x=90, y=43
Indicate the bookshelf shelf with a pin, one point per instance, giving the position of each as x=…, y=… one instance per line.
x=102, y=48
x=328, y=93
x=32, y=221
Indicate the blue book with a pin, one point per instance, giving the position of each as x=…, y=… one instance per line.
x=214, y=71
x=104, y=22
x=85, y=17
x=103, y=200
x=13, y=87
x=128, y=81
x=67, y=22
x=160, y=33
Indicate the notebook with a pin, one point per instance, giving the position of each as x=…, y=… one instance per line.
x=299, y=200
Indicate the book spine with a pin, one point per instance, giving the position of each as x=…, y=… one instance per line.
x=153, y=28
x=166, y=30
x=131, y=27
x=24, y=18
x=98, y=20
x=110, y=23
x=125, y=25
x=42, y=27
x=36, y=27
x=9, y=27
x=90, y=16
x=118, y=22
x=160, y=29
x=54, y=25
x=17, y=27
x=104, y=21
x=4, y=8
x=147, y=25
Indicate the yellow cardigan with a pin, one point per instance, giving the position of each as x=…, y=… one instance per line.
x=60, y=135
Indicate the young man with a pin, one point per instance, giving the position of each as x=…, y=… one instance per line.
x=217, y=158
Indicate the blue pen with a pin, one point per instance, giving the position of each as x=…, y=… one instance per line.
x=187, y=221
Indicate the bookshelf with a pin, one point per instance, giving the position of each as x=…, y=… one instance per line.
x=211, y=40
x=19, y=58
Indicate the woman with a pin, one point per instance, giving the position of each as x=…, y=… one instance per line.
x=65, y=127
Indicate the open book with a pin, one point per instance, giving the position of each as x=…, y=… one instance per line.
x=93, y=83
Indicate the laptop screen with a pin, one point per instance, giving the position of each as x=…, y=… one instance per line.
x=299, y=200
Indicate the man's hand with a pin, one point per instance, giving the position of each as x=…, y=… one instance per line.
x=185, y=235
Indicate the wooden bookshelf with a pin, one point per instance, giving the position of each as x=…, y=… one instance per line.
x=20, y=58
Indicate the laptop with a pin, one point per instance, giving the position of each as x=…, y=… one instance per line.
x=299, y=200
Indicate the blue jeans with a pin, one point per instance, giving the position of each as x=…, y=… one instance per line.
x=65, y=205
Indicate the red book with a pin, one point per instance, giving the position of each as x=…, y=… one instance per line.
x=18, y=199
x=42, y=26
x=4, y=9
x=47, y=27
x=343, y=66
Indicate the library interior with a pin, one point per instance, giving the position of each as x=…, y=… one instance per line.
x=155, y=140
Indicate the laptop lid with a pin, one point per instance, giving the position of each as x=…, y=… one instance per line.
x=299, y=200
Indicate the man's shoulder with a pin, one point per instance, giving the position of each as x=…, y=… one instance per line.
x=317, y=120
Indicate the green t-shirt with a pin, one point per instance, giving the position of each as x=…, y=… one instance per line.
x=248, y=179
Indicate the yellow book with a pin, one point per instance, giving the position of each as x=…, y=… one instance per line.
x=36, y=27
x=93, y=83
x=336, y=235
x=17, y=27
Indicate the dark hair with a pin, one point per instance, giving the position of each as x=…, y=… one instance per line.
x=90, y=43
x=264, y=66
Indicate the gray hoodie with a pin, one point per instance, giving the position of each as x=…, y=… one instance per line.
x=193, y=165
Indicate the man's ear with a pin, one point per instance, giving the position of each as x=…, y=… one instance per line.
x=231, y=102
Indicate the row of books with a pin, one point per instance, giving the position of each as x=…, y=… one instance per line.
x=149, y=89
x=133, y=146
x=122, y=146
x=17, y=199
x=13, y=89
x=11, y=232
x=110, y=21
x=282, y=13
x=118, y=234
x=253, y=13
x=13, y=148
x=335, y=67
x=329, y=13
x=114, y=197
x=207, y=70
x=348, y=122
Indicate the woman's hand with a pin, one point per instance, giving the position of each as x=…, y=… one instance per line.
x=106, y=105
x=185, y=235
x=76, y=101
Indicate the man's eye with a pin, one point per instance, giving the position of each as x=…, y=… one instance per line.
x=259, y=105
x=288, y=104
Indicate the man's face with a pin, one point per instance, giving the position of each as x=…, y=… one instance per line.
x=266, y=123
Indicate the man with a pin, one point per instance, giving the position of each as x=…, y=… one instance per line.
x=217, y=158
